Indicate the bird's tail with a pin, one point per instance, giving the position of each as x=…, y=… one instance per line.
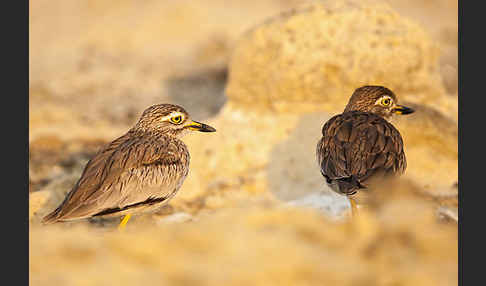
x=349, y=185
x=51, y=217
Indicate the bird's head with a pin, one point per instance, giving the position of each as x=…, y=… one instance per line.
x=169, y=119
x=378, y=100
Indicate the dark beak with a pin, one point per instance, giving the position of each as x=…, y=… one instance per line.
x=402, y=110
x=201, y=127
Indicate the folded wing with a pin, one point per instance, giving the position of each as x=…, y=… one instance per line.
x=356, y=145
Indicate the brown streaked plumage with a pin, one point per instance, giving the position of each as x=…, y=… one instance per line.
x=360, y=143
x=137, y=172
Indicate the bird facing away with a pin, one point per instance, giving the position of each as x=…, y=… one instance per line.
x=137, y=172
x=361, y=143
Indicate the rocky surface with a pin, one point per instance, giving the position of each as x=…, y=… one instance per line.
x=257, y=245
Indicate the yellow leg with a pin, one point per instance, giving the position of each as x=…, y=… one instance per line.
x=354, y=207
x=124, y=221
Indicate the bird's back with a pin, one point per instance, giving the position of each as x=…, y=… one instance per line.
x=356, y=146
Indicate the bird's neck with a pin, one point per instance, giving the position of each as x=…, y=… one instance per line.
x=387, y=117
x=152, y=134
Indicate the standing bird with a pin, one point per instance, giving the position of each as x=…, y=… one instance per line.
x=137, y=172
x=360, y=143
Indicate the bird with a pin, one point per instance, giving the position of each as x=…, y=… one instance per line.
x=361, y=145
x=136, y=173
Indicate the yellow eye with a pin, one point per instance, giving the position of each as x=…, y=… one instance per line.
x=386, y=101
x=176, y=119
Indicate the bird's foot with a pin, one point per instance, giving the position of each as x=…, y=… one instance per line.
x=124, y=221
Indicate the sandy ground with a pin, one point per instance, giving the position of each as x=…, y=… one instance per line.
x=267, y=74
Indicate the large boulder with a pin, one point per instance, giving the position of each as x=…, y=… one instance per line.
x=312, y=59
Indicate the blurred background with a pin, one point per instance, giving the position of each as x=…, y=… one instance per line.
x=254, y=209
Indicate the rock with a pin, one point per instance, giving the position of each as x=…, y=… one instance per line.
x=175, y=218
x=201, y=93
x=448, y=213
x=258, y=245
x=313, y=59
x=333, y=205
x=37, y=201
x=237, y=154
x=293, y=171
x=47, y=143
x=431, y=147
